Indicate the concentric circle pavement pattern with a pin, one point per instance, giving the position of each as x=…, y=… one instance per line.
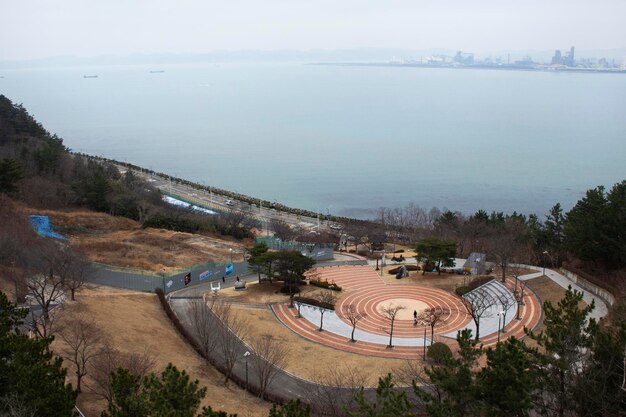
x=365, y=291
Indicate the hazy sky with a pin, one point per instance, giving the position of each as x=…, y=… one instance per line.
x=42, y=28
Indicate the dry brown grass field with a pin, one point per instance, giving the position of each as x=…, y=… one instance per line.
x=135, y=323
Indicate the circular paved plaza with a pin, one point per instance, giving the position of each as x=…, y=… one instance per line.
x=368, y=294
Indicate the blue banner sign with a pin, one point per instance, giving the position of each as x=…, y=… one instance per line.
x=204, y=275
x=230, y=268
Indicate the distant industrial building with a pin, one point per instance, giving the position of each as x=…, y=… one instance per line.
x=567, y=60
x=464, y=58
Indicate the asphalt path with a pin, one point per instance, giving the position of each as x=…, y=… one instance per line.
x=285, y=385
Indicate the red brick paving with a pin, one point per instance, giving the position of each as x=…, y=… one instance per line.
x=365, y=289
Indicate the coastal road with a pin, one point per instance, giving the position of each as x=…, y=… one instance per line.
x=210, y=200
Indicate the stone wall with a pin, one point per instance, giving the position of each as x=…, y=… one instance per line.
x=588, y=286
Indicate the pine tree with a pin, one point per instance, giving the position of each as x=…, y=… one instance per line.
x=29, y=372
x=453, y=389
x=507, y=383
x=389, y=402
x=291, y=409
x=567, y=337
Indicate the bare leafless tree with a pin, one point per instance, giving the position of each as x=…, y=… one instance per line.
x=326, y=299
x=477, y=304
x=47, y=288
x=283, y=230
x=433, y=317
x=270, y=355
x=411, y=371
x=506, y=242
x=506, y=301
x=12, y=405
x=351, y=313
x=359, y=233
x=333, y=392
x=304, y=291
x=82, y=344
x=59, y=269
x=205, y=323
x=230, y=332
x=390, y=312
x=235, y=218
x=108, y=361
x=76, y=270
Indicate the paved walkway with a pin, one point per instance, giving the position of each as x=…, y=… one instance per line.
x=366, y=291
x=601, y=309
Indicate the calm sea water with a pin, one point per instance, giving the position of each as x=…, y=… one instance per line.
x=347, y=139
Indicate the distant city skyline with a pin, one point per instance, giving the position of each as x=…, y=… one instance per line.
x=38, y=29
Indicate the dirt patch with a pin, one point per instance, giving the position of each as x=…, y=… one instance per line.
x=85, y=221
x=135, y=322
x=122, y=242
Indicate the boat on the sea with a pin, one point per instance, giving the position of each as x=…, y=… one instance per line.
x=157, y=71
x=90, y=76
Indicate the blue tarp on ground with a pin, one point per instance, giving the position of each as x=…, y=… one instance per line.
x=43, y=227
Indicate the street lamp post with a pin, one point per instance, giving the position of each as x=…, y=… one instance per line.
x=425, y=341
x=545, y=252
x=500, y=318
x=163, y=279
x=245, y=356
x=231, y=255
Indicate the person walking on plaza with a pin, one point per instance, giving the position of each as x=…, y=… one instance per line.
x=414, y=317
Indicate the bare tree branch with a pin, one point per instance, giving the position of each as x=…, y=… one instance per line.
x=354, y=316
x=326, y=299
x=270, y=355
x=82, y=338
x=324, y=394
x=109, y=360
x=433, y=317
x=477, y=304
x=390, y=312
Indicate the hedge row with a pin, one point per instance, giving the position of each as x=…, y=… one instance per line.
x=478, y=281
x=462, y=290
x=313, y=302
x=325, y=284
x=473, y=284
x=196, y=346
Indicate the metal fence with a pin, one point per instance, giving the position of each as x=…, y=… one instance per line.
x=133, y=280
x=317, y=251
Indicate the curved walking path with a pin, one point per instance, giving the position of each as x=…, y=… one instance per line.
x=366, y=291
x=600, y=310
